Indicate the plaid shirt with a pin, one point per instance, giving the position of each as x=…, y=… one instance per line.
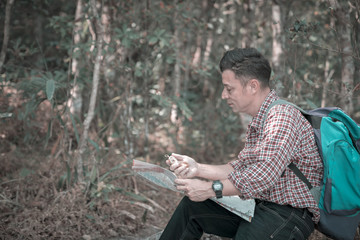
x=261, y=171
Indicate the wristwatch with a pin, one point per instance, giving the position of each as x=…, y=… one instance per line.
x=217, y=186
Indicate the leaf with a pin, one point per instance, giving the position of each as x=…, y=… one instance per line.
x=126, y=42
x=162, y=32
x=48, y=133
x=93, y=174
x=68, y=174
x=50, y=89
x=62, y=182
x=26, y=172
x=153, y=40
x=94, y=144
x=183, y=107
x=102, y=178
x=135, y=196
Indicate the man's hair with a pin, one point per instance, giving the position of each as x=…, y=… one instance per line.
x=247, y=63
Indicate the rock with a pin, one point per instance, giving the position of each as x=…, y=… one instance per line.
x=112, y=233
x=86, y=237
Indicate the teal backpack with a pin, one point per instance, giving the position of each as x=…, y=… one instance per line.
x=338, y=139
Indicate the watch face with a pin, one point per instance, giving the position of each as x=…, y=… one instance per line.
x=217, y=186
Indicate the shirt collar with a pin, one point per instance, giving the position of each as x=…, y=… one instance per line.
x=256, y=121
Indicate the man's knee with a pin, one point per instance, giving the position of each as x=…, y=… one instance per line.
x=195, y=207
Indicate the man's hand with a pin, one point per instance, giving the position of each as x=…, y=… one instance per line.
x=183, y=166
x=197, y=190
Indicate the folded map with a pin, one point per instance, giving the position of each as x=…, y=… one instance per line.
x=165, y=178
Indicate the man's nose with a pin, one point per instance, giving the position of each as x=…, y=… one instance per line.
x=224, y=94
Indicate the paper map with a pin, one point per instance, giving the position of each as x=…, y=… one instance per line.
x=165, y=178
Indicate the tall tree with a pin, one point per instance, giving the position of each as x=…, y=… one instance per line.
x=277, y=46
x=95, y=85
x=341, y=11
x=6, y=38
x=75, y=100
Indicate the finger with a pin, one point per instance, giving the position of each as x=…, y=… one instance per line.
x=178, y=156
x=173, y=159
x=185, y=172
x=168, y=162
x=179, y=181
x=182, y=188
x=174, y=166
x=180, y=169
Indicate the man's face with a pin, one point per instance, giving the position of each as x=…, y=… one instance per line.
x=237, y=96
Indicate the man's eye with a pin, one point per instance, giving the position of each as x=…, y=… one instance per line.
x=229, y=90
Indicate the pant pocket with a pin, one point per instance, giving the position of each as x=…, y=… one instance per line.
x=286, y=223
x=296, y=234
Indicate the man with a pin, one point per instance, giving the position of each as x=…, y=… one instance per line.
x=285, y=208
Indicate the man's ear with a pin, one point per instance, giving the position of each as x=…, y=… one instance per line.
x=254, y=85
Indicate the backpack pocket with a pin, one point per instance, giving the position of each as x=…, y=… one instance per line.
x=341, y=194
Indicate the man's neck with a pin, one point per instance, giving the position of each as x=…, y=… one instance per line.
x=258, y=101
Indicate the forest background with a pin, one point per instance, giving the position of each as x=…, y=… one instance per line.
x=86, y=86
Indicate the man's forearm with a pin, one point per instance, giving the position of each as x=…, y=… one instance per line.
x=219, y=172
x=214, y=172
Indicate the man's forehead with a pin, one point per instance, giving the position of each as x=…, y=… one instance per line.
x=229, y=81
x=229, y=76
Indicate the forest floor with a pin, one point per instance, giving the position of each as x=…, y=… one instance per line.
x=32, y=206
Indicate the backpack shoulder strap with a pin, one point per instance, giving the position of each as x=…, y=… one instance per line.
x=279, y=102
x=300, y=175
x=282, y=101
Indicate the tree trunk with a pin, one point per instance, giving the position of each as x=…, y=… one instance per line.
x=196, y=60
x=6, y=38
x=128, y=141
x=355, y=20
x=327, y=77
x=75, y=101
x=177, y=69
x=247, y=39
x=341, y=13
x=95, y=83
x=277, y=50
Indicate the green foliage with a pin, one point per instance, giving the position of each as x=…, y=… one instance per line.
x=167, y=102
x=68, y=179
x=26, y=172
x=101, y=186
x=160, y=36
x=51, y=85
x=127, y=36
x=50, y=89
x=63, y=25
x=302, y=28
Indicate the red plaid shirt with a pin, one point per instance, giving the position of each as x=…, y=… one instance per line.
x=261, y=171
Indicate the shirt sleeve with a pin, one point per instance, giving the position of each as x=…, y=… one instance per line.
x=263, y=162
